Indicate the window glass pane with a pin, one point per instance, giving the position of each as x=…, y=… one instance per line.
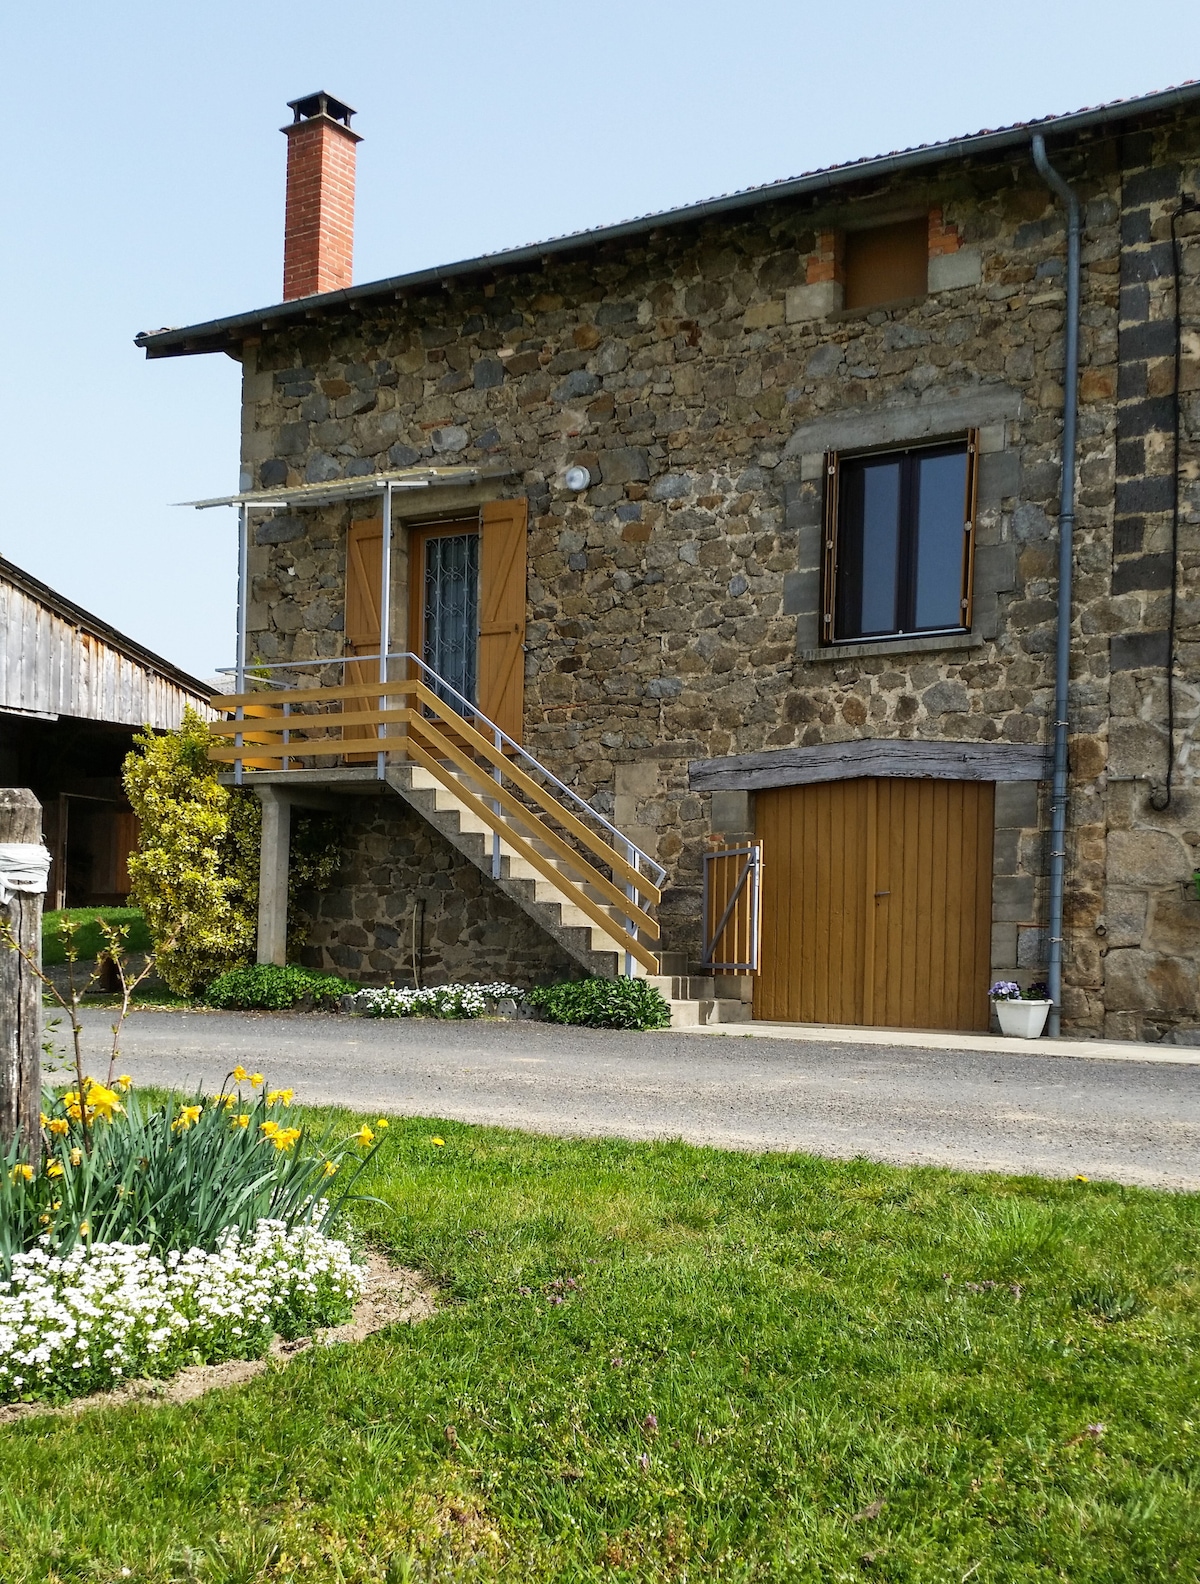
x=880, y=546
x=452, y=611
x=941, y=497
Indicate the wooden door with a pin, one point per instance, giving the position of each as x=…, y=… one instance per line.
x=364, y=574
x=877, y=900
x=502, y=581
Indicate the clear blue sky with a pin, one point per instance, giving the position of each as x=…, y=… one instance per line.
x=142, y=185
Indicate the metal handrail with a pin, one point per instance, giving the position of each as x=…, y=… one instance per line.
x=634, y=854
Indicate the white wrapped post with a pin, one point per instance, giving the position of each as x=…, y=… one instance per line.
x=24, y=867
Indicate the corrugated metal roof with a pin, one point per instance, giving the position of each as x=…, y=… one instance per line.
x=217, y=335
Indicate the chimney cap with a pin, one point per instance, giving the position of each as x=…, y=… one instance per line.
x=318, y=104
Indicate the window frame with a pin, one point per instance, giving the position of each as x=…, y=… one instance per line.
x=831, y=526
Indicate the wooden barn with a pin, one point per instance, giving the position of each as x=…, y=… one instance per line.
x=73, y=691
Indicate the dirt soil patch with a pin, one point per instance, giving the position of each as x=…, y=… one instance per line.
x=392, y=1296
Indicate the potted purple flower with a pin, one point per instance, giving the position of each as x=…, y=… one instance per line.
x=1022, y=1013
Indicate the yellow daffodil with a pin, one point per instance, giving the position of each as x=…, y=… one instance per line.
x=59, y=1126
x=102, y=1102
x=55, y=1169
x=239, y=1074
x=241, y=1120
x=188, y=1117
x=364, y=1136
x=124, y=1083
x=44, y=1119
x=85, y=1229
x=76, y=1157
x=1081, y=1179
x=43, y=1220
x=381, y=1123
x=438, y=1141
x=268, y=1129
x=257, y=1080
x=285, y=1138
x=280, y=1097
x=331, y=1168
x=22, y=1173
x=228, y=1101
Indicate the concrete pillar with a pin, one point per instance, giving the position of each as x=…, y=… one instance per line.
x=273, y=875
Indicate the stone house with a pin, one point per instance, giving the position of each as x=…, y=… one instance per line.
x=743, y=520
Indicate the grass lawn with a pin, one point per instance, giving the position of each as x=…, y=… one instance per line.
x=665, y=1362
x=89, y=941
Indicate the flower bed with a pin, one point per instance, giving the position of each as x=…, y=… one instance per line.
x=148, y=1235
x=81, y=1322
x=442, y=1001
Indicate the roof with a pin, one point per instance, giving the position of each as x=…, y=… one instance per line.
x=219, y=335
x=44, y=595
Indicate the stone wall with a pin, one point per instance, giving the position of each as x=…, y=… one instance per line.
x=395, y=865
x=699, y=373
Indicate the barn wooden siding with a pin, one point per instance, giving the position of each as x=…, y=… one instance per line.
x=54, y=661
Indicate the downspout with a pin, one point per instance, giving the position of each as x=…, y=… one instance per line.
x=1066, y=527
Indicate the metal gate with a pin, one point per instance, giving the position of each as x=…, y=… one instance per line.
x=733, y=909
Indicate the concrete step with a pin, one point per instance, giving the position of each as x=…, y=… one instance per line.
x=551, y=907
x=706, y=1013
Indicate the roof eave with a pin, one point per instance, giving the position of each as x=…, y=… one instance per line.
x=219, y=335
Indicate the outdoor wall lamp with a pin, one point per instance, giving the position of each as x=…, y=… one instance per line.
x=577, y=478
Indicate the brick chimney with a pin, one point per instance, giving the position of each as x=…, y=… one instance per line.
x=318, y=226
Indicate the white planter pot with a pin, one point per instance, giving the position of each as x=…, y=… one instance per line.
x=1022, y=1019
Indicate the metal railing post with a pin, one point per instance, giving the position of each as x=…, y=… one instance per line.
x=243, y=569
x=496, y=807
x=632, y=856
x=385, y=619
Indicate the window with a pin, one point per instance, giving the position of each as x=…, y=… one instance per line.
x=899, y=536
x=886, y=263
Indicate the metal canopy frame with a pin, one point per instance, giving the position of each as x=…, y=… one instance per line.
x=312, y=495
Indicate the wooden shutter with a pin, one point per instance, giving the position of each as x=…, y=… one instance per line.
x=502, y=575
x=364, y=571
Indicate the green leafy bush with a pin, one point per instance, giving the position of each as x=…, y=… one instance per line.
x=195, y=874
x=603, y=1003
x=89, y=938
x=267, y=988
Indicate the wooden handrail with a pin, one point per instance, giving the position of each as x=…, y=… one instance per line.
x=500, y=794
x=314, y=695
x=334, y=748
x=584, y=903
x=333, y=721
x=531, y=789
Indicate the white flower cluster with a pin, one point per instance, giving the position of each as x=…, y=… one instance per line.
x=79, y=1322
x=443, y=1001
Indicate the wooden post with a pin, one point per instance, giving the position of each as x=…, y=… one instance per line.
x=20, y=989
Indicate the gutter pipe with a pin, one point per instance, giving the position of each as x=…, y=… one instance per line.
x=1066, y=527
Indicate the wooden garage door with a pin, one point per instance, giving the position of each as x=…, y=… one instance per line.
x=877, y=902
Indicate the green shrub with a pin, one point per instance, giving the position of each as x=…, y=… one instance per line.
x=603, y=1003
x=89, y=939
x=267, y=988
x=195, y=874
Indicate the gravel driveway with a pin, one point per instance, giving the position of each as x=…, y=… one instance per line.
x=1128, y=1121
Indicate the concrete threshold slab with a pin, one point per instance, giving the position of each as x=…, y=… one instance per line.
x=938, y=1039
